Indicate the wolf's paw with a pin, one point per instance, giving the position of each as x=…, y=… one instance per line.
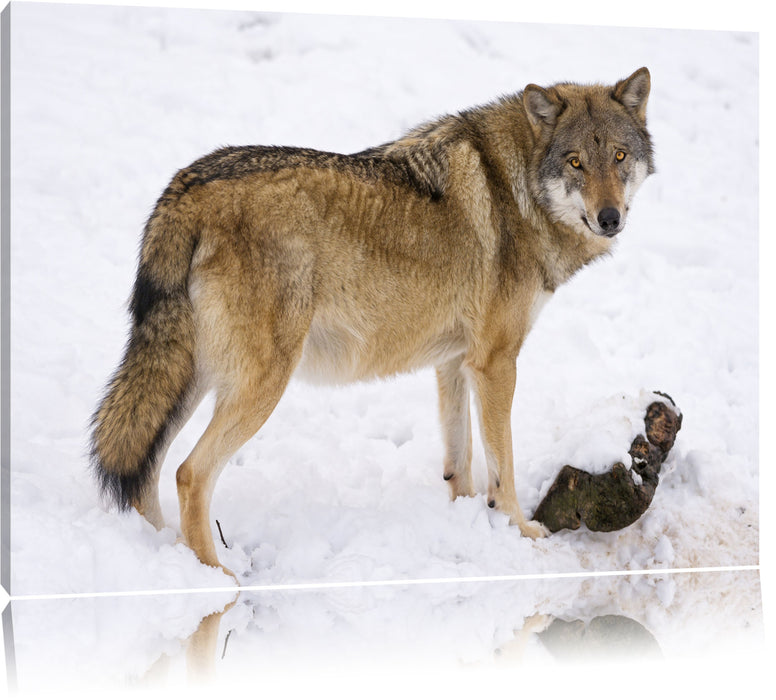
x=533, y=529
x=459, y=487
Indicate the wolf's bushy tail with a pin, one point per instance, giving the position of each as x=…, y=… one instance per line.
x=150, y=387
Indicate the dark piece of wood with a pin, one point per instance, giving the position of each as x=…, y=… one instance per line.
x=615, y=499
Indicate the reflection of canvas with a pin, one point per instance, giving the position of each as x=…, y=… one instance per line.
x=344, y=483
x=443, y=631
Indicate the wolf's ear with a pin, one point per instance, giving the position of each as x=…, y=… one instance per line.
x=633, y=93
x=541, y=107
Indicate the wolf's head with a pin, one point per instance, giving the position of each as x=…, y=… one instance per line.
x=592, y=150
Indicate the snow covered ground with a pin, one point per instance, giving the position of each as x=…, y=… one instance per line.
x=345, y=483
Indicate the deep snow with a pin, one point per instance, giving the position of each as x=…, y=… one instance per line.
x=345, y=483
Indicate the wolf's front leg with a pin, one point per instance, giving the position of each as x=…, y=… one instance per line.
x=455, y=417
x=494, y=385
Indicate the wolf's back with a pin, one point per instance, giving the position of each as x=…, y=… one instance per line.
x=150, y=386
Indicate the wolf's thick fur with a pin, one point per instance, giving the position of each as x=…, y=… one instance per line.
x=436, y=249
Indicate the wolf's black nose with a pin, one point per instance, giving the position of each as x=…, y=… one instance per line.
x=609, y=219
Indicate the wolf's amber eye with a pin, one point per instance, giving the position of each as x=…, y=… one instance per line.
x=575, y=163
x=619, y=156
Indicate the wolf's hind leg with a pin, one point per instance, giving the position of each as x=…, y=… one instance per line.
x=252, y=301
x=455, y=417
x=238, y=415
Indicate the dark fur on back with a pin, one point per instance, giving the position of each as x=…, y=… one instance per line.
x=421, y=165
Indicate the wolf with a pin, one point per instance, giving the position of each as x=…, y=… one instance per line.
x=437, y=249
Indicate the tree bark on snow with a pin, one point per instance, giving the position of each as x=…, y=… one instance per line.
x=617, y=498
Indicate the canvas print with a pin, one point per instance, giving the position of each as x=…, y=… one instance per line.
x=303, y=299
